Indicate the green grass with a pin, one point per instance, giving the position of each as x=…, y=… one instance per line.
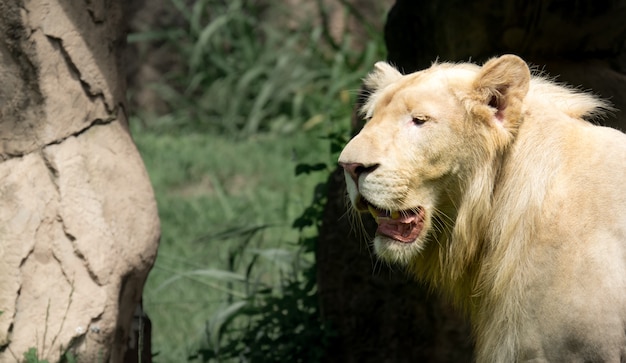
x=222, y=205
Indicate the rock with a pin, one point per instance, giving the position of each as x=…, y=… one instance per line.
x=78, y=222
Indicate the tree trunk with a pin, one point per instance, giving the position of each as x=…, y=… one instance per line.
x=78, y=220
x=379, y=315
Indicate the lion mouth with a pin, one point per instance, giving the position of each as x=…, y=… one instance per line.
x=402, y=226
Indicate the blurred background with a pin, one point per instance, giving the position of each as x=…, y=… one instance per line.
x=239, y=110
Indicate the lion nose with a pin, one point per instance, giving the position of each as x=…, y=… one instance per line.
x=356, y=169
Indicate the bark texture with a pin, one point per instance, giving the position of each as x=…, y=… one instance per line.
x=379, y=314
x=78, y=221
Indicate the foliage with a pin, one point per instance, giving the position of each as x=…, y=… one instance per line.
x=277, y=327
x=225, y=227
x=244, y=74
x=31, y=356
x=247, y=83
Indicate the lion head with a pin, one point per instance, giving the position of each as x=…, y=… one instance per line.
x=426, y=136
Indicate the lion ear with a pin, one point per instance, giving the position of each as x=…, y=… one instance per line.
x=382, y=75
x=502, y=85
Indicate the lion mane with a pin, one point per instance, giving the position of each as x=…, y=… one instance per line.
x=490, y=184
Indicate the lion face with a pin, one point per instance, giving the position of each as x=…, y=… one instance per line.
x=426, y=133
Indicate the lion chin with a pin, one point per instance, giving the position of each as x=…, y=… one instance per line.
x=490, y=184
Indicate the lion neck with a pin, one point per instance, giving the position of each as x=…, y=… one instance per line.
x=453, y=260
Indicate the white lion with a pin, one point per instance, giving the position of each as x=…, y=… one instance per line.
x=487, y=183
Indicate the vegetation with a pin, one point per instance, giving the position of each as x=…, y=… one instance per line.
x=238, y=167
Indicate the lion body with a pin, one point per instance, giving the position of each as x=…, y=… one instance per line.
x=508, y=202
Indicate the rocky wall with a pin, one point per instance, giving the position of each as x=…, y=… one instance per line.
x=78, y=221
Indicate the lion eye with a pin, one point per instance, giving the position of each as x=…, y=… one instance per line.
x=419, y=120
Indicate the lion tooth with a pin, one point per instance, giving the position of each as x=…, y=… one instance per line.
x=372, y=210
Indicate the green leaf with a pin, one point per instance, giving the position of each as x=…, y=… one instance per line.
x=31, y=356
x=308, y=168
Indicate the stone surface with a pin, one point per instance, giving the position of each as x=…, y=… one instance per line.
x=78, y=221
